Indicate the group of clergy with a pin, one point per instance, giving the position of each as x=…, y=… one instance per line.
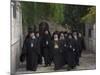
x=59, y=49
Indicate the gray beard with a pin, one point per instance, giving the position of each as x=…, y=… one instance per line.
x=56, y=39
x=33, y=37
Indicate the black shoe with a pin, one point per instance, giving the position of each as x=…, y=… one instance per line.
x=34, y=70
x=49, y=64
x=78, y=64
x=46, y=66
x=56, y=69
x=73, y=67
x=69, y=68
x=31, y=69
x=40, y=63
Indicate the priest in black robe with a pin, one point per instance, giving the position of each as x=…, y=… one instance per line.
x=40, y=56
x=47, y=51
x=57, y=52
x=32, y=52
x=77, y=47
x=63, y=47
x=71, y=53
x=82, y=43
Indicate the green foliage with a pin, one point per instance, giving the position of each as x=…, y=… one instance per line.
x=90, y=17
x=57, y=12
x=33, y=12
x=73, y=15
x=77, y=15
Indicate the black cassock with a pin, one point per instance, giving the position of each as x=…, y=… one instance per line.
x=47, y=51
x=23, y=53
x=66, y=50
x=77, y=50
x=32, y=52
x=82, y=45
x=71, y=53
x=39, y=47
x=63, y=47
x=57, y=55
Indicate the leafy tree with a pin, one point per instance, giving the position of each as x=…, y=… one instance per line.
x=90, y=17
x=73, y=15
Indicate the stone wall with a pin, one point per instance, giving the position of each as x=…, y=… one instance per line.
x=16, y=34
x=90, y=37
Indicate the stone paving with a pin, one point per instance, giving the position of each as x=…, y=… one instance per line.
x=87, y=62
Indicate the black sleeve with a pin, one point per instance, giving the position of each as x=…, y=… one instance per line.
x=24, y=48
x=38, y=46
x=23, y=53
x=52, y=47
x=83, y=44
x=44, y=42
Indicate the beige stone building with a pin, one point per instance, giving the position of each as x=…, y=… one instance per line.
x=90, y=37
x=16, y=34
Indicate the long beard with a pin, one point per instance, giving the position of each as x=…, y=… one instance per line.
x=56, y=45
x=33, y=37
x=56, y=39
x=75, y=37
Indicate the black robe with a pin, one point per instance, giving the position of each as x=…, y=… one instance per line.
x=47, y=51
x=77, y=50
x=40, y=55
x=66, y=50
x=81, y=40
x=63, y=47
x=57, y=55
x=23, y=53
x=71, y=53
x=41, y=45
x=32, y=53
